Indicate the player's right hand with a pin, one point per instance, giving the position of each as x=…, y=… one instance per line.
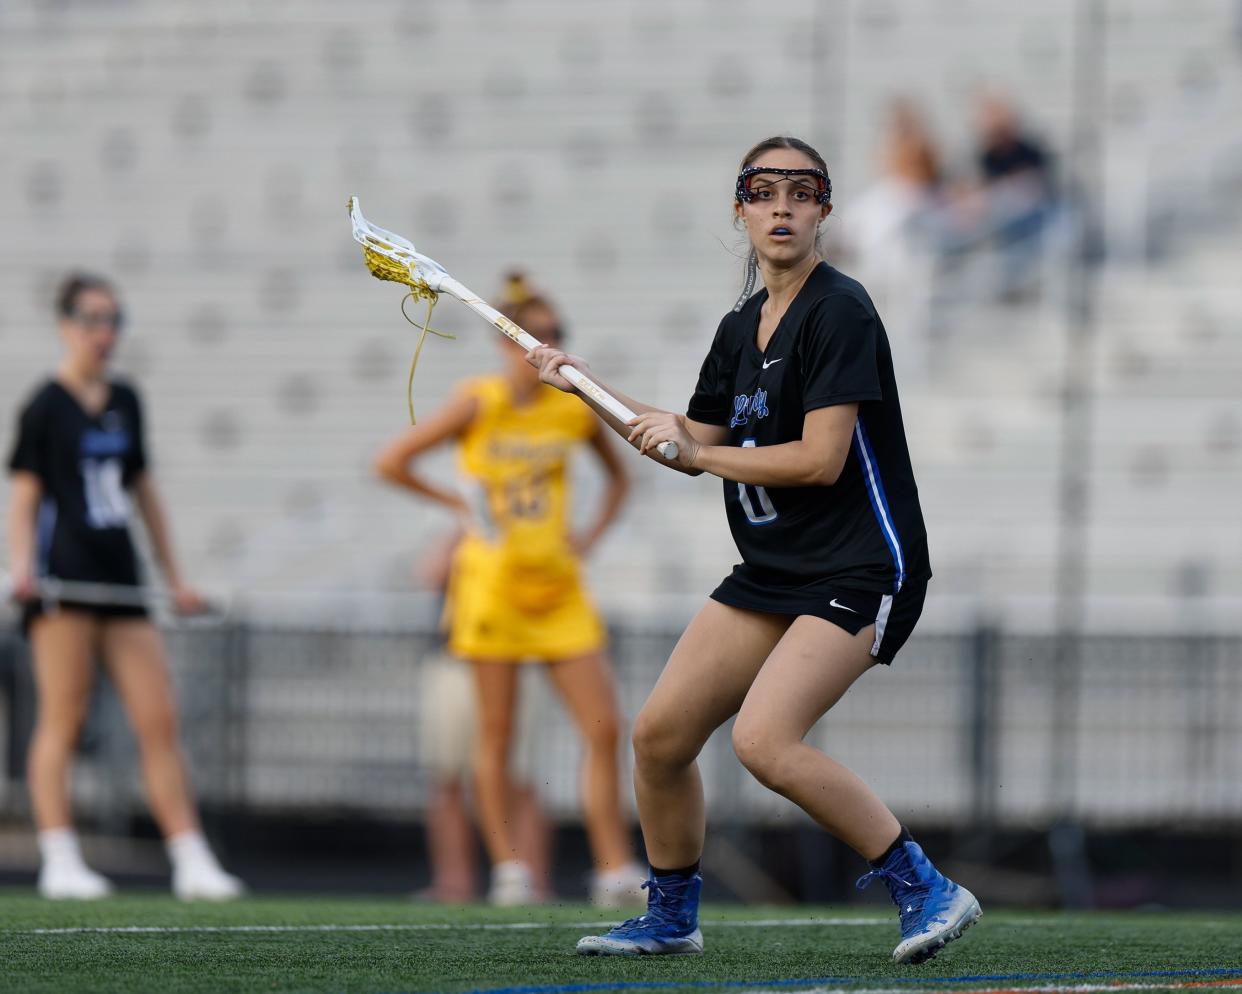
x=187, y=601
x=549, y=361
x=24, y=585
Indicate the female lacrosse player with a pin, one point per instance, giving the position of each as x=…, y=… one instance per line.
x=796, y=410
x=446, y=751
x=516, y=593
x=79, y=457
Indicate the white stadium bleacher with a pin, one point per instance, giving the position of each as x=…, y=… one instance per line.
x=202, y=155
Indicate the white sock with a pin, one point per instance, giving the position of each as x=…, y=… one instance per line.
x=60, y=846
x=510, y=868
x=190, y=849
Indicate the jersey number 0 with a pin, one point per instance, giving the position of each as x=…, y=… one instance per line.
x=767, y=511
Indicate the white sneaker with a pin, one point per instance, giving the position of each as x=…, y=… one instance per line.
x=621, y=888
x=66, y=880
x=512, y=885
x=203, y=881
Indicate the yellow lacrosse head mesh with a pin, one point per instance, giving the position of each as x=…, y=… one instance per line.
x=385, y=267
x=385, y=262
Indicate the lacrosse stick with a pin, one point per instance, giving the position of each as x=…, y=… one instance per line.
x=391, y=257
x=50, y=589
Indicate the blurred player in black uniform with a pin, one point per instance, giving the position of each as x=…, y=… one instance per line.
x=78, y=466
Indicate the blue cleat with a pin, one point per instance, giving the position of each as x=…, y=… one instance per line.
x=934, y=910
x=670, y=926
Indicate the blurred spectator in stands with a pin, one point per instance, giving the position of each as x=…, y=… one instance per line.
x=1017, y=188
x=990, y=228
x=884, y=231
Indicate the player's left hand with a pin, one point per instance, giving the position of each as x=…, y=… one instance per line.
x=549, y=360
x=186, y=600
x=583, y=543
x=651, y=429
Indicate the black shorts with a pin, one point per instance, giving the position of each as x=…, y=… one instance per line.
x=101, y=612
x=894, y=615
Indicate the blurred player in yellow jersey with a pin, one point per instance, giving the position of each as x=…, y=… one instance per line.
x=516, y=594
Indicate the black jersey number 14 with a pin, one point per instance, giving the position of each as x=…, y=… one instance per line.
x=107, y=503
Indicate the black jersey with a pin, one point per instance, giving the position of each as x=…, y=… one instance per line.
x=866, y=530
x=86, y=465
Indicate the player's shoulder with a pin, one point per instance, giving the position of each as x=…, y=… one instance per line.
x=559, y=399
x=833, y=292
x=42, y=399
x=568, y=411
x=733, y=326
x=836, y=303
x=488, y=388
x=124, y=392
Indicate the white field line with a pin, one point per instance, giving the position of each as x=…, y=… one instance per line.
x=487, y=927
x=435, y=927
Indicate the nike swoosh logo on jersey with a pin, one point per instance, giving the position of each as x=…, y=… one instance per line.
x=837, y=604
x=766, y=363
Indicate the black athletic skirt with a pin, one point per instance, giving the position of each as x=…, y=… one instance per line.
x=101, y=612
x=894, y=615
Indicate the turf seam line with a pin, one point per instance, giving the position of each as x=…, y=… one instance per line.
x=934, y=983
x=1043, y=989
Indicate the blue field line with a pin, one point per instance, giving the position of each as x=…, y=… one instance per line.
x=980, y=978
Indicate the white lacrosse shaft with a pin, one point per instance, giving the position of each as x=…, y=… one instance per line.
x=401, y=250
x=581, y=382
x=50, y=588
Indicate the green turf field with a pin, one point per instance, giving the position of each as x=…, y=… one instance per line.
x=374, y=945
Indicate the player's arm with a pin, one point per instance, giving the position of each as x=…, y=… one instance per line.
x=395, y=461
x=815, y=460
x=151, y=508
x=549, y=360
x=614, y=495
x=25, y=492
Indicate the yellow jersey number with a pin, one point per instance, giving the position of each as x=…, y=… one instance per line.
x=528, y=496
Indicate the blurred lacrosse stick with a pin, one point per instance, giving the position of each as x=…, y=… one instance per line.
x=391, y=257
x=51, y=590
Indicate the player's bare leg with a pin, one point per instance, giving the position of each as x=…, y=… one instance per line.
x=702, y=686
x=134, y=653
x=64, y=671
x=496, y=685
x=808, y=672
x=450, y=843
x=135, y=658
x=585, y=685
x=534, y=838
x=496, y=690
x=703, y=683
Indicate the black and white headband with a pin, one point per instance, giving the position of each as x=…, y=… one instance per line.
x=745, y=195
